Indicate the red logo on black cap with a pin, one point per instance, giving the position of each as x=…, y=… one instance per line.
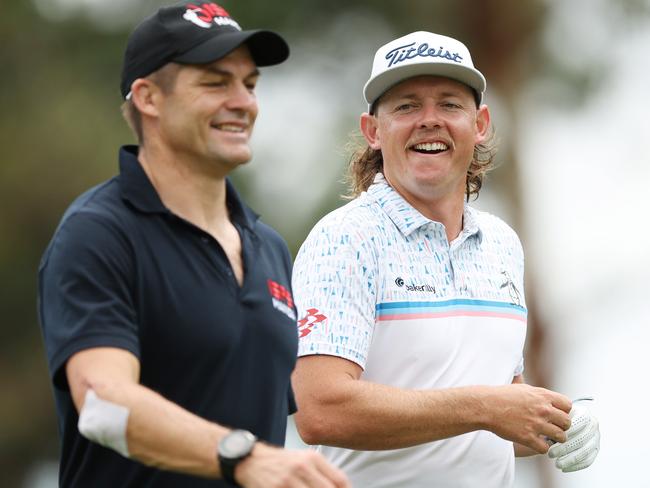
x=207, y=14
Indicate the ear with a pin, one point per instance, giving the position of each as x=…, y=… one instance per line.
x=369, y=129
x=146, y=97
x=482, y=124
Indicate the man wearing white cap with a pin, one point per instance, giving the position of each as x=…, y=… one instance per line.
x=412, y=317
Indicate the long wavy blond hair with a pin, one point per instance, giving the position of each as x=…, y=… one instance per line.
x=366, y=162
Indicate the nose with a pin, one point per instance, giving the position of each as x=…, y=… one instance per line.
x=430, y=116
x=242, y=98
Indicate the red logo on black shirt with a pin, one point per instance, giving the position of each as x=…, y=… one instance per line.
x=281, y=298
x=313, y=317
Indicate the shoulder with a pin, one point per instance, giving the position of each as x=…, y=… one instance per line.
x=102, y=199
x=94, y=221
x=493, y=226
x=497, y=234
x=343, y=237
x=357, y=220
x=101, y=203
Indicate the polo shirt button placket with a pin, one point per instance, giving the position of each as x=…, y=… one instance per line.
x=456, y=278
x=226, y=268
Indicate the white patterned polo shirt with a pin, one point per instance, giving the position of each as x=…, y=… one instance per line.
x=378, y=283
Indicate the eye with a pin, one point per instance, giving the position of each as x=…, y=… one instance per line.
x=215, y=83
x=403, y=107
x=451, y=106
x=214, y=80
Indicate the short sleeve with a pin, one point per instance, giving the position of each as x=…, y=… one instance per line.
x=334, y=285
x=292, y=407
x=86, y=291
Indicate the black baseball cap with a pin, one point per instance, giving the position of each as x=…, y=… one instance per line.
x=196, y=32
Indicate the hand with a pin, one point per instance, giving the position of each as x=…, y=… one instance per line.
x=528, y=415
x=582, y=444
x=272, y=467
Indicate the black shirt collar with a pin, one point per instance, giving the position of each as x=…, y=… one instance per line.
x=138, y=190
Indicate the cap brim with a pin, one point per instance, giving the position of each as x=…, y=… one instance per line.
x=377, y=86
x=267, y=48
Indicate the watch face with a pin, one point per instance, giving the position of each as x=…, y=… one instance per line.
x=236, y=444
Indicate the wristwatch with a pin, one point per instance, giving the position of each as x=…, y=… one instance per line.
x=233, y=449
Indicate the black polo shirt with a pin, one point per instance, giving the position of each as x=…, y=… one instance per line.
x=123, y=271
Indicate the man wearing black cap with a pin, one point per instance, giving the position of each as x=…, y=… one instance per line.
x=165, y=303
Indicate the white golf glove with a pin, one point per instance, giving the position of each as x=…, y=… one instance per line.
x=582, y=444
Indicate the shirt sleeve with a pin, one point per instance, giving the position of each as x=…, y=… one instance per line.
x=86, y=291
x=291, y=401
x=334, y=284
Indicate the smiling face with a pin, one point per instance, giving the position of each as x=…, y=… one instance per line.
x=210, y=113
x=426, y=129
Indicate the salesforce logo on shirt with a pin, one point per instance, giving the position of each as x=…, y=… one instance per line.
x=428, y=288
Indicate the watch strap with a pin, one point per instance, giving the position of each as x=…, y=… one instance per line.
x=228, y=470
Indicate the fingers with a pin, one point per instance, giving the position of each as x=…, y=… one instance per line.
x=316, y=472
x=310, y=478
x=578, y=435
x=537, y=444
x=557, y=422
x=580, y=418
x=332, y=473
x=271, y=467
x=582, y=445
x=552, y=424
x=532, y=416
x=562, y=402
x=561, y=419
x=581, y=458
x=584, y=464
x=552, y=408
x=553, y=434
x=576, y=443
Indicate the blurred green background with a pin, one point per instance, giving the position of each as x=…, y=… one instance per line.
x=567, y=85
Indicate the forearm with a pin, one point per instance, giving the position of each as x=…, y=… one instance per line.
x=369, y=416
x=162, y=434
x=337, y=408
x=158, y=432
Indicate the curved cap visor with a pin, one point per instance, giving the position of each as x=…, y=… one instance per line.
x=383, y=82
x=422, y=53
x=267, y=48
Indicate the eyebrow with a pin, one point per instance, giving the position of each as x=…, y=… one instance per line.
x=218, y=71
x=413, y=96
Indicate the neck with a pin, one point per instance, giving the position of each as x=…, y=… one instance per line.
x=448, y=212
x=447, y=208
x=186, y=187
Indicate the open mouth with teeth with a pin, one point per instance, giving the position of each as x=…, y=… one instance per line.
x=430, y=147
x=228, y=127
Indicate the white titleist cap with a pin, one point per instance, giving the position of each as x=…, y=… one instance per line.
x=422, y=53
